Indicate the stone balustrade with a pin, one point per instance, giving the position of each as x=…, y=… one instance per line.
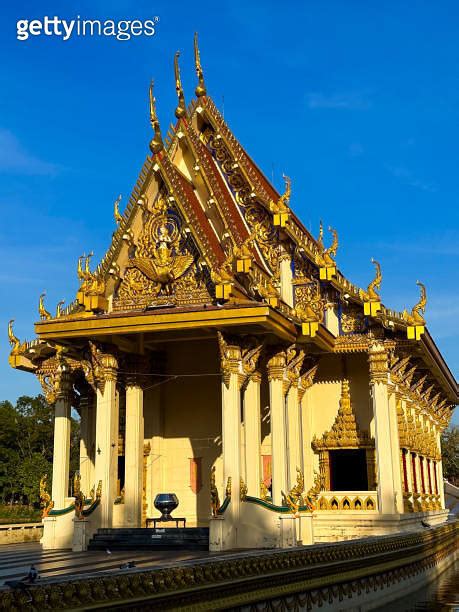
x=20, y=532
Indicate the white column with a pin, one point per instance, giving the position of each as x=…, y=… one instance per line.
x=286, y=277
x=380, y=401
x=295, y=459
x=133, y=485
x=86, y=436
x=441, y=484
x=253, y=434
x=276, y=368
x=231, y=411
x=395, y=451
x=107, y=426
x=306, y=426
x=62, y=427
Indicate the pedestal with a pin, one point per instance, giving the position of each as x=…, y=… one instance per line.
x=287, y=531
x=80, y=535
x=305, y=530
x=49, y=530
x=216, y=526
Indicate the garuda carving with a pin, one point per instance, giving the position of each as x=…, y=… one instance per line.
x=164, y=266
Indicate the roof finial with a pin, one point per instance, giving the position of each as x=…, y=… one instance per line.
x=116, y=210
x=375, y=285
x=180, y=111
x=320, y=240
x=200, y=90
x=156, y=144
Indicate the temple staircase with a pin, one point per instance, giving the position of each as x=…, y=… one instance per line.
x=189, y=538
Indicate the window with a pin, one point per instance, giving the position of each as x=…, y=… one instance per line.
x=348, y=470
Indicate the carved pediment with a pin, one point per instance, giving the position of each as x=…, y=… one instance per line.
x=164, y=268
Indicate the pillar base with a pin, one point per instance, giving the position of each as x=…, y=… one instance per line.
x=287, y=532
x=216, y=533
x=81, y=535
x=305, y=532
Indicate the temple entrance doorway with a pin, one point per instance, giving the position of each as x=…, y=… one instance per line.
x=348, y=470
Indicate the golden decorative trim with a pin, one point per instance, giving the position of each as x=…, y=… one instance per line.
x=379, y=366
x=345, y=432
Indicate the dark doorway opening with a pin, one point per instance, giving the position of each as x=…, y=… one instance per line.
x=348, y=470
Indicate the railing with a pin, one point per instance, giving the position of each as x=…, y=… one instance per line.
x=20, y=532
x=347, y=500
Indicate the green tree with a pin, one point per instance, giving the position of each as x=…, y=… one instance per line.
x=26, y=447
x=29, y=474
x=450, y=453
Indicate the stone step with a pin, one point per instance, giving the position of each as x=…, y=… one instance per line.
x=143, y=531
x=196, y=538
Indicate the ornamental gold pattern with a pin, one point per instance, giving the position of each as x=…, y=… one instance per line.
x=345, y=432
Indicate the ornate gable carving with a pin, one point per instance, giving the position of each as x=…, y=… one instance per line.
x=345, y=431
x=164, y=269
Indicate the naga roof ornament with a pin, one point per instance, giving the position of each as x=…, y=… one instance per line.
x=415, y=317
x=44, y=314
x=281, y=209
x=116, y=210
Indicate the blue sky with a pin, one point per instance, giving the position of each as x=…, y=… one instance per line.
x=357, y=101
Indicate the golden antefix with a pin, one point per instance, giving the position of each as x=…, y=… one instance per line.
x=217, y=355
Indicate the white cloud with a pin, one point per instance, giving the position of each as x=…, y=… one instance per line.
x=338, y=101
x=356, y=149
x=408, y=178
x=15, y=159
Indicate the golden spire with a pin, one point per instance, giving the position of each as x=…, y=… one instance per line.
x=201, y=87
x=180, y=111
x=156, y=144
x=116, y=212
x=44, y=314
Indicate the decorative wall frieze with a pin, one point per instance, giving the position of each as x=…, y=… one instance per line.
x=353, y=343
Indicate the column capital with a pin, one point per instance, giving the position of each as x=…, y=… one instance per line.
x=276, y=365
x=379, y=364
x=230, y=357
x=56, y=379
x=137, y=367
x=63, y=383
x=109, y=367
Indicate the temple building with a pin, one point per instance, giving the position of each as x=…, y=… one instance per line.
x=217, y=352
